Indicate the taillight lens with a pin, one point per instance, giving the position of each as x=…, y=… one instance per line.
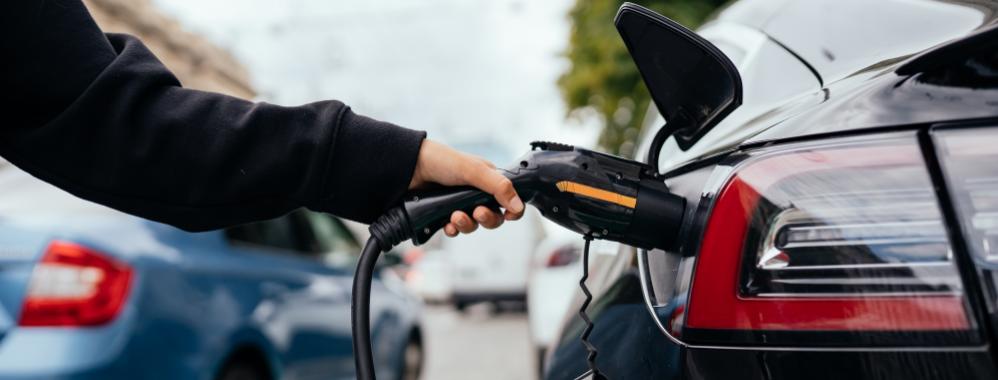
x=968, y=157
x=74, y=285
x=563, y=256
x=838, y=237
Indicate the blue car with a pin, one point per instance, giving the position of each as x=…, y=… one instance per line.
x=90, y=293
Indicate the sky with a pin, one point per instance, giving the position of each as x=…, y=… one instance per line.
x=470, y=72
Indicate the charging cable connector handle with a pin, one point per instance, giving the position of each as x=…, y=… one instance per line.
x=591, y=193
x=429, y=211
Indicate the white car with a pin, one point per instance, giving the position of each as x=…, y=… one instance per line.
x=430, y=276
x=555, y=269
x=492, y=265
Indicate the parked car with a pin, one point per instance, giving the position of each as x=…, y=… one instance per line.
x=553, y=280
x=491, y=265
x=840, y=223
x=430, y=277
x=90, y=293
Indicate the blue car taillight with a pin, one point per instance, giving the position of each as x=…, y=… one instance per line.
x=843, y=239
x=75, y=286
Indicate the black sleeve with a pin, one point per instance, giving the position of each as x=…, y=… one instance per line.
x=99, y=116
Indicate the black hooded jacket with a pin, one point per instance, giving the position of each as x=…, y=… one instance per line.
x=99, y=116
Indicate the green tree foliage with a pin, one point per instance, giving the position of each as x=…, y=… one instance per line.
x=602, y=76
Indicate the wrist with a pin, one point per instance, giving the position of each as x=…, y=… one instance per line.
x=418, y=175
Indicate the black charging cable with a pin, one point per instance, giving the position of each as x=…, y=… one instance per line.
x=593, y=372
x=389, y=230
x=360, y=310
x=386, y=232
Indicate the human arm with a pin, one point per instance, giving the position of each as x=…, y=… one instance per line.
x=99, y=116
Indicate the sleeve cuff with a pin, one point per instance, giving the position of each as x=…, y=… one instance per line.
x=370, y=167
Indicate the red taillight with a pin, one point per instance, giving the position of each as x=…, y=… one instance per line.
x=563, y=256
x=413, y=255
x=74, y=285
x=839, y=237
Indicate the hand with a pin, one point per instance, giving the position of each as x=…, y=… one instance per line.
x=438, y=163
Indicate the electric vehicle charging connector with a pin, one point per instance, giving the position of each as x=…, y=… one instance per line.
x=594, y=194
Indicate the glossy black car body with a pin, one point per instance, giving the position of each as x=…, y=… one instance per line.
x=814, y=71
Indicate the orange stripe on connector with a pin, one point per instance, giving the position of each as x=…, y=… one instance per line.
x=592, y=192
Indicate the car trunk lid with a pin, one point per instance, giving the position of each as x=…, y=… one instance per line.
x=20, y=249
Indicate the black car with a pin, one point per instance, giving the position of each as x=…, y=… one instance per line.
x=839, y=159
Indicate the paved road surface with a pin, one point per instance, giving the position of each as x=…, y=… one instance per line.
x=476, y=345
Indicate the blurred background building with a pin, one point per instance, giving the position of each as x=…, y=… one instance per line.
x=197, y=63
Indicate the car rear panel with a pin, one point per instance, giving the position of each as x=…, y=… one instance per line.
x=47, y=352
x=714, y=363
x=28, y=212
x=948, y=115
x=666, y=286
x=19, y=249
x=32, y=216
x=781, y=354
x=946, y=111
